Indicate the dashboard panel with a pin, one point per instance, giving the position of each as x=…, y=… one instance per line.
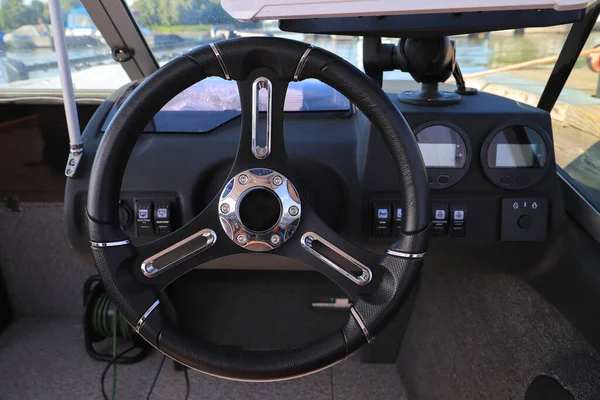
x=490, y=159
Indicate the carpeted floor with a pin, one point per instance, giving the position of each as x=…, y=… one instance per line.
x=471, y=336
x=42, y=354
x=45, y=359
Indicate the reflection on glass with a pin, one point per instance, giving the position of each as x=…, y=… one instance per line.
x=517, y=146
x=442, y=147
x=515, y=156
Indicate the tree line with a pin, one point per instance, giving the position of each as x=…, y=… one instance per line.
x=149, y=13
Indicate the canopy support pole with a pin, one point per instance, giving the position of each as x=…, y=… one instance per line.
x=64, y=69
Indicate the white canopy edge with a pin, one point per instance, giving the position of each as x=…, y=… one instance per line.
x=256, y=10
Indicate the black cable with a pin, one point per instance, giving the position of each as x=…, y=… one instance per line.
x=187, y=383
x=156, y=377
x=108, y=365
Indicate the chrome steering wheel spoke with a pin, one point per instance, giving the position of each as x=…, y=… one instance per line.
x=262, y=98
x=315, y=244
x=201, y=240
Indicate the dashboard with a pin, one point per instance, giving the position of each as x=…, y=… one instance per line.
x=490, y=165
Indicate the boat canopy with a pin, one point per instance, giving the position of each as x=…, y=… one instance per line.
x=255, y=10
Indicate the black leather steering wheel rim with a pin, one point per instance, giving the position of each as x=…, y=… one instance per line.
x=240, y=59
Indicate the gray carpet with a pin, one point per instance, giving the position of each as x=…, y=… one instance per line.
x=481, y=336
x=42, y=354
x=471, y=336
x=44, y=277
x=45, y=359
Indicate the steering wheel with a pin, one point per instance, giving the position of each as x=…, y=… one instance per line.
x=258, y=209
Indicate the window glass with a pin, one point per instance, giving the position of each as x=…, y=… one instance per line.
x=27, y=57
x=174, y=26
x=576, y=124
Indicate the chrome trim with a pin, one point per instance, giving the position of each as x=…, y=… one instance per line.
x=150, y=267
x=76, y=148
x=110, y=244
x=261, y=83
x=219, y=57
x=579, y=207
x=362, y=325
x=144, y=317
x=405, y=255
x=234, y=192
x=302, y=62
x=362, y=280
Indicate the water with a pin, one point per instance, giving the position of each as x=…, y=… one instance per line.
x=473, y=54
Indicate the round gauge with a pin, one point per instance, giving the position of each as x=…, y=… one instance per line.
x=446, y=153
x=515, y=156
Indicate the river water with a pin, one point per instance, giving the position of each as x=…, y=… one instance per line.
x=473, y=54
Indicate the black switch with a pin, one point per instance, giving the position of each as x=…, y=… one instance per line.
x=143, y=218
x=397, y=217
x=162, y=218
x=524, y=221
x=458, y=220
x=382, y=218
x=440, y=219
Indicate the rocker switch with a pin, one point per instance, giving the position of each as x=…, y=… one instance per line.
x=458, y=220
x=162, y=218
x=143, y=218
x=440, y=219
x=397, y=218
x=382, y=218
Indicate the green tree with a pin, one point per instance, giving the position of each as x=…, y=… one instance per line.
x=168, y=12
x=180, y=12
x=14, y=14
x=68, y=5
x=36, y=10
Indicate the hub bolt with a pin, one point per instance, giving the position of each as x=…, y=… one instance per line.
x=243, y=179
x=225, y=208
x=275, y=239
x=277, y=180
x=293, y=211
x=241, y=238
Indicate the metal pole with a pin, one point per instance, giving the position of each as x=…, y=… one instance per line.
x=579, y=33
x=60, y=45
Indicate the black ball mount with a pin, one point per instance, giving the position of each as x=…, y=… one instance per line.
x=430, y=61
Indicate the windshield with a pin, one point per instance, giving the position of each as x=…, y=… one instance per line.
x=171, y=27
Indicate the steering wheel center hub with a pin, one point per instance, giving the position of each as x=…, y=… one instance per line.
x=259, y=209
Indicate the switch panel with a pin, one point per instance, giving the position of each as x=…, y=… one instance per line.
x=448, y=218
x=162, y=218
x=143, y=218
x=382, y=218
x=524, y=220
x=458, y=220
x=440, y=219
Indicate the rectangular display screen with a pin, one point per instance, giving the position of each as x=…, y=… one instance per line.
x=515, y=156
x=440, y=155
